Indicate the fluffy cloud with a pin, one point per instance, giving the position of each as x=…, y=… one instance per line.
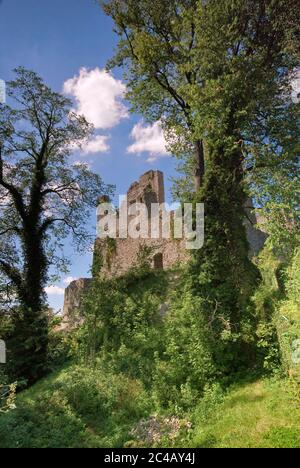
x=98, y=96
x=69, y=280
x=148, y=139
x=98, y=144
x=54, y=291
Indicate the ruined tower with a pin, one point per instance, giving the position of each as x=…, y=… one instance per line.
x=117, y=256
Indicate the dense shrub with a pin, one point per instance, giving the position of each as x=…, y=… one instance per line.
x=186, y=364
x=79, y=407
x=122, y=324
x=265, y=301
x=288, y=319
x=7, y=394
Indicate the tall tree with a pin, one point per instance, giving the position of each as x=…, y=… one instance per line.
x=212, y=71
x=273, y=175
x=157, y=45
x=247, y=51
x=44, y=199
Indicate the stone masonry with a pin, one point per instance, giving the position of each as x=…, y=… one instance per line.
x=73, y=300
x=119, y=255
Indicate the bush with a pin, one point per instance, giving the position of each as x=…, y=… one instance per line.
x=265, y=300
x=186, y=365
x=79, y=407
x=288, y=320
x=7, y=394
x=122, y=323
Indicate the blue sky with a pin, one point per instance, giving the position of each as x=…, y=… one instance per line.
x=57, y=38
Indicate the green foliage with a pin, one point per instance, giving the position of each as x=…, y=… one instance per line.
x=7, y=394
x=186, y=364
x=288, y=320
x=7, y=397
x=85, y=407
x=283, y=437
x=122, y=321
x=274, y=179
x=212, y=72
x=60, y=344
x=217, y=75
x=97, y=394
x=47, y=200
x=265, y=300
x=110, y=250
x=78, y=407
x=97, y=260
x=277, y=307
x=98, y=403
x=260, y=414
x=221, y=273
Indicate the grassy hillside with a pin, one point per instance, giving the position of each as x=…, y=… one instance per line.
x=82, y=407
x=75, y=407
x=137, y=377
x=261, y=414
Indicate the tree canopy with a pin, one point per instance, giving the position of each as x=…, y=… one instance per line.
x=44, y=198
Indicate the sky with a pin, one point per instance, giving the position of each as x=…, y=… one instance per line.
x=68, y=43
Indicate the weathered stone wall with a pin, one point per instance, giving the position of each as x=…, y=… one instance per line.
x=119, y=255
x=114, y=257
x=125, y=253
x=149, y=187
x=73, y=300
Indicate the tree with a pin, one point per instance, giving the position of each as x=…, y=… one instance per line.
x=212, y=71
x=43, y=201
x=157, y=43
x=274, y=177
x=247, y=52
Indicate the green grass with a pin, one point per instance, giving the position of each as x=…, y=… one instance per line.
x=84, y=407
x=263, y=414
x=75, y=407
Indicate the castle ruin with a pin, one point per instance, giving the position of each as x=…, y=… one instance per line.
x=121, y=254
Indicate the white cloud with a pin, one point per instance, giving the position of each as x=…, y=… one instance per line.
x=148, y=139
x=98, y=144
x=98, y=96
x=68, y=280
x=54, y=291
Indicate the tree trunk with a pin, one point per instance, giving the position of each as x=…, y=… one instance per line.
x=223, y=275
x=28, y=347
x=199, y=165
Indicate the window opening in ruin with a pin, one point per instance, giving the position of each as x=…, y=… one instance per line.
x=158, y=261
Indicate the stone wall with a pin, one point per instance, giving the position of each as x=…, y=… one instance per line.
x=125, y=254
x=114, y=257
x=119, y=255
x=73, y=300
x=149, y=187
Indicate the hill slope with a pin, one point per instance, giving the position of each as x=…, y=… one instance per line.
x=83, y=407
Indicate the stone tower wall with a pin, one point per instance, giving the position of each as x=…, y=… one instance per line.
x=115, y=257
